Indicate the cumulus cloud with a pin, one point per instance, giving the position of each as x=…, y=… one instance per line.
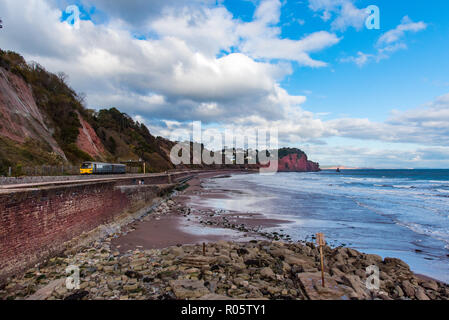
x=176, y=76
x=388, y=43
x=428, y=125
x=361, y=59
x=345, y=12
x=204, y=30
x=385, y=156
x=396, y=34
x=261, y=38
x=133, y=13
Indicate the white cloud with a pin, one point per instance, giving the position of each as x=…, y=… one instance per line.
x=345, y=12
x=261, y=38
x=207, y=31
x=388, y=43
x=361, y=59
x=384, y=156
x=134, y=13
x=396, y=34
x=427, y=125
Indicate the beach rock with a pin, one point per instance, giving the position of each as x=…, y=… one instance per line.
x=188, y=289
x=267, y=273
x=133, y=274
x=45, y=292
x=78, y=295
x=432, y=285
x=408, y=288
x=421, y=294
x=399, y=292
x=242, y=251
x=222, y=259
x=373, y=259
x=396, y=263
x=197, y=261
x=355, y=283
x=130, y=287
x=256, y=262
x=177, y=251
x=293, y=260
x=311, y=283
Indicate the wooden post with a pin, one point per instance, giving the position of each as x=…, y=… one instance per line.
x=9, y=171
x=204, y=249
x=144, y=168
x=320, y=241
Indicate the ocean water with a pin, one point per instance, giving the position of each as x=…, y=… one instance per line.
x=392, y=213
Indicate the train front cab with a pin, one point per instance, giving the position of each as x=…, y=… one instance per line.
x=86, y=168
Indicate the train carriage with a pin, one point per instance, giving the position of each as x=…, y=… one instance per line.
x=102, y=168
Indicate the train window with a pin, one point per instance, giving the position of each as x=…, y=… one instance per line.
x=86, y=166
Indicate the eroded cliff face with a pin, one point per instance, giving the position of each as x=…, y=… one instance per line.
x=23, y=122
x=20, y=117
x=297, y=163
x=88, y=141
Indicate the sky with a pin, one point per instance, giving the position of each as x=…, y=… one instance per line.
x=346, y=94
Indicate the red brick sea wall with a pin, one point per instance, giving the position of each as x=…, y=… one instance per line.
x=35, y=223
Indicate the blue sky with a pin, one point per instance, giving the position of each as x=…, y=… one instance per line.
x=345, y=94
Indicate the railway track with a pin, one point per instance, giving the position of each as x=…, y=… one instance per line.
x=92, y=178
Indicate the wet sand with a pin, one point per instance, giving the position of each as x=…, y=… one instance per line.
x=157, y=234
x=184, y=221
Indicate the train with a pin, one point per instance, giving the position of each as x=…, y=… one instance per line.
x=102, y=168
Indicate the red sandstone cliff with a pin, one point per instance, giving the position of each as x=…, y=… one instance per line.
x=21, y=120
x=297, y=163
x=20, y=117
x=88, y=141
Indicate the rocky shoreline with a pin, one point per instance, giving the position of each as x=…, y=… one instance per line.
x=256, y=269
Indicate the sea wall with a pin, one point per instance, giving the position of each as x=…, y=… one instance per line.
x=35, y=222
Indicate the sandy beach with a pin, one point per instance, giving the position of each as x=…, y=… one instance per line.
x=187, y=221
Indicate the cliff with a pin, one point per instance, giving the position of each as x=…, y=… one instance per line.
x=295, y=160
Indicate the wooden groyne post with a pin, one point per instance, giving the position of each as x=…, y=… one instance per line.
x=320, y=241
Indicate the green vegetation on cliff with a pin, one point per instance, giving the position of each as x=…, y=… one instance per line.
x=286, y=151
x=54, y=98
x=126, y=139
x=122, y=137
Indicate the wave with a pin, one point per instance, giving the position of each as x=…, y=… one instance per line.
x=421, y=229
x=403, y=187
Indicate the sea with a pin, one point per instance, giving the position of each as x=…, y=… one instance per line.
x=393, y=213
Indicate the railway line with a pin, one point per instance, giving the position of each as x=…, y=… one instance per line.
x=31, y=183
